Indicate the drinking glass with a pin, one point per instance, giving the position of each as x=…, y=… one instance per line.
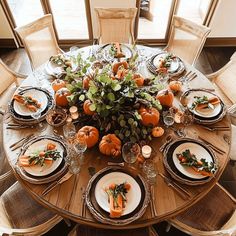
x=186, y=120
x=80, y=147
x=69, y=132
x=168, y=119
x=130, y=152
x=36, y=115
x=150, y=170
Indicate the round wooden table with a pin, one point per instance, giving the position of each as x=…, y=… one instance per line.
x=66, y=199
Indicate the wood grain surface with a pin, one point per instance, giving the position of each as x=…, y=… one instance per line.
x=66, y=199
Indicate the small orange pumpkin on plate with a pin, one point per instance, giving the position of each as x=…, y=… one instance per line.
x=110, y=145
x=90, y=134
x=86, y=108
x=86, y=82
x=157, y=131
x=166, y=97
x=61, y=97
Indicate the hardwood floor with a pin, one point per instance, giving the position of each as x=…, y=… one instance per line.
x=210, y=60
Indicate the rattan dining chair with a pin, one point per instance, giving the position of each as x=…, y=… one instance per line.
x=224, y=82
x=116, y=24
x=39, y=40
x=9, y=81
x=186, y=39
x=21, y=215
x=112, y=4
x=212, y=216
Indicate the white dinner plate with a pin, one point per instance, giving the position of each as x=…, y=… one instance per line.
x=126, y=50
x=37, y=170
x=174, y=66
x=196, y=149
x=53, y=69
x=206, y=113
x=39, y=95
x=133, y=195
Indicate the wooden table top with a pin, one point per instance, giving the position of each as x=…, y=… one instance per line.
x=66, y=199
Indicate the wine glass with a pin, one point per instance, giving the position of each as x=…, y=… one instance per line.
x=69, y=132
x=80, y=146
x=36, y=115
x=186, y=119
x=168, y=119
x=130, y=152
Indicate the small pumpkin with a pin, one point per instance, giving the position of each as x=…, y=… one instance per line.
x=121, y=73
x=86, y=108
x=110, y=145
x=58, y=84
x=166, y=97
x=90, y=134
x=175, y=86
x=157, y=131
x=150, y=116
x=61, y=97
x=86, y=82
x=118, y=65
x=139, y=80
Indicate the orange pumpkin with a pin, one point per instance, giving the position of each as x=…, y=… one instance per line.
x=121, y=73
x=90, y=134
x=86, y=108
x=61, y=97
x=86, y=82
x=139, y=80
x=117, y=66
x=110, y=145
x=157, y=131
x=150, y=116
x=175, y=86
x=58, y=84
x=165, y=97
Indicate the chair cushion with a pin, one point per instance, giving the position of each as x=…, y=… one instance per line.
x=21, y=210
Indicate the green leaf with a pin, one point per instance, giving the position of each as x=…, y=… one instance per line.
x=111, y=97
x=116, y=87
x=109, y=107
x=92, y=107
x=93, y=89
x=82, y=97
x=130, y=121
x=122, y=123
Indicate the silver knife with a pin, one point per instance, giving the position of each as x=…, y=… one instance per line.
x=181, y=191
x=56, y=183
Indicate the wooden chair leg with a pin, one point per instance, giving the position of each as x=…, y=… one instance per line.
x=152, y=231
x=73, y=231
x=168, y=227
x=67, y=221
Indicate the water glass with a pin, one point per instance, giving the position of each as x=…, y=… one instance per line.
x=149, y=169
x=168, y=118
x=80, y=147
x=36, y=115
x=130, y=152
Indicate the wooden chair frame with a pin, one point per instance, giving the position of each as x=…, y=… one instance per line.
x=200, y=31
x=192, y=231
x=37, y=25
x=117, y=13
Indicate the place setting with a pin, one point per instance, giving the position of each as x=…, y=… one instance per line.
x=205, y=106
x=42, y=159
x=29, y=107
x=190, y=161
x=114, y=51
x=165, y=63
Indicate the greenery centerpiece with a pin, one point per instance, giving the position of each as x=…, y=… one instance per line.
x=113, y=98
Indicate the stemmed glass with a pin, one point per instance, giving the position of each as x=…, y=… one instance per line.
x=168, y=118
x=80, y=146
x=36, y=115
x=130, y=152
x=186, y=119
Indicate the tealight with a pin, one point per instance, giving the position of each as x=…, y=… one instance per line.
x=74, y=112
x=146, y=151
